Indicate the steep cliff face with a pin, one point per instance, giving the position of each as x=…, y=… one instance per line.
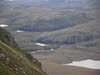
x=14, y=60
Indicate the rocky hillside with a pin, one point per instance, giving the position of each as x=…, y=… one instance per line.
x=14, y=60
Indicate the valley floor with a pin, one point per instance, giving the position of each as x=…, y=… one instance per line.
x=57, y=69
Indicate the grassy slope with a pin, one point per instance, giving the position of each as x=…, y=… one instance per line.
x=15, y=61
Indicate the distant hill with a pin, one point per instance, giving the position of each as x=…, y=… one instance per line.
x=80, y=33
x=30, y=16
x=42, y=3
x=69, y=29
x=72, y=23
x=70, y=44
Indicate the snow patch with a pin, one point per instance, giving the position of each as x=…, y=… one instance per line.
x=19, y=31
x=41, y=44
x=93, y=64
x=3, y=25
x=9, y=0
x=52, y=49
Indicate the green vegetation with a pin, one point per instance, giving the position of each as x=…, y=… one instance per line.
x=14, y=60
